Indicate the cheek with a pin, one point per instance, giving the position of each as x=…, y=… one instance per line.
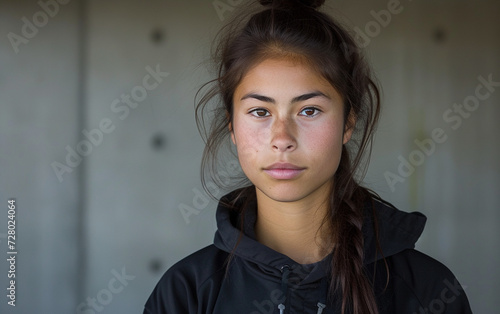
x=248, y=134
x=248, y=140
x=326, y=139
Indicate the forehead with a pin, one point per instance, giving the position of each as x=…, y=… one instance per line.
x=283, y=75
x=290, y=67
x=300, y=65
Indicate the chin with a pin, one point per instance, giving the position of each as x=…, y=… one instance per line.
x=284, y=194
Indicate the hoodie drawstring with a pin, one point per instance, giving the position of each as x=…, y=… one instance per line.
x=321, y=306
x=324, y=290
x=285, y=270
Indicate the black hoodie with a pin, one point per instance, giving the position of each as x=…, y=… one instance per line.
x=260, y=280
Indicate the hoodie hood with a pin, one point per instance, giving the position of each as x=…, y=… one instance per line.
x=256, y=279
x=398, y=231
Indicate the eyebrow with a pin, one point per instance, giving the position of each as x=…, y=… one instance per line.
x=294, y=100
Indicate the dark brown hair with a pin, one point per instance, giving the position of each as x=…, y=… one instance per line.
x=283, y=29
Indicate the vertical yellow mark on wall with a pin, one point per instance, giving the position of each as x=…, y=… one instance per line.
x=416, y=125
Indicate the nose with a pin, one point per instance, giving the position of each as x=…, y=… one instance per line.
x=282, y=135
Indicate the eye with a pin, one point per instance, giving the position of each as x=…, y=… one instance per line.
x=259, y=113
x=309, y=112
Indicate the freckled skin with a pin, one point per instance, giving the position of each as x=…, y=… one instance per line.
x=307, y=133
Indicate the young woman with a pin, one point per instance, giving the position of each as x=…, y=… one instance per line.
x=298, y=103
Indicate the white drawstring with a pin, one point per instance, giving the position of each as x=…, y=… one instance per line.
x=321, y=306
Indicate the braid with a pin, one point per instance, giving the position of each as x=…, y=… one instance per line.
x=348, y=276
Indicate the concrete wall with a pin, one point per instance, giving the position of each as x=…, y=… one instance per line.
x=115, y=213
x=40, y=114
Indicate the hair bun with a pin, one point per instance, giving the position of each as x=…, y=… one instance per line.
x=314, y=4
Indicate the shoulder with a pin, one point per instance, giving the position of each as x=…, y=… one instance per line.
x=415, y=262
x=198, y=266
x=178, y=291
x=430, y=282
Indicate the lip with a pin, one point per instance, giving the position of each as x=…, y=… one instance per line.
x=283, y=171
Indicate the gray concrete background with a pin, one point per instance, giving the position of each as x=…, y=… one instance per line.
x=108, y=229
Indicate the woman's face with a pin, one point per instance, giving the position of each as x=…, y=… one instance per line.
x=288, y=129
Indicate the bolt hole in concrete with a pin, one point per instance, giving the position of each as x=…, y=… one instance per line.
x=157, y=36
x=155, y=265
x=439, y=35
x=158, y=141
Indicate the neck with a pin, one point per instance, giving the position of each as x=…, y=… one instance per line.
x=295, y=229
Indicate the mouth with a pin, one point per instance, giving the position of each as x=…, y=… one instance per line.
x=283, y=171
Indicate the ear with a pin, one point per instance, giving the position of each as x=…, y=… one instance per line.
x=230, y=127
x=349, y=127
